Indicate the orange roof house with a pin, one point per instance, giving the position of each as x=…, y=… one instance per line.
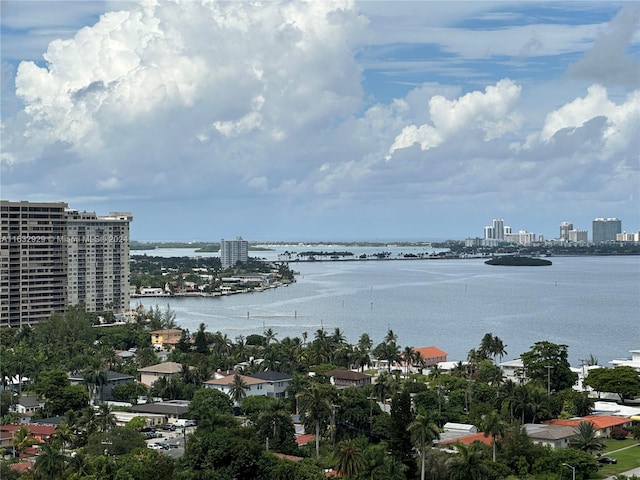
x=602, y=423
x=431, y=355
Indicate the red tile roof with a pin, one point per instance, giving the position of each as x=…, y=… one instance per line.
x=35, y=429
x=430, y=352
x=468, y=439
x=599, y=421
x=304, y=439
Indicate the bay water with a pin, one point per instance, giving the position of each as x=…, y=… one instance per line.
x=591, y=304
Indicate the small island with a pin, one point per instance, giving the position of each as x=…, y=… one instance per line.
x=512, y=261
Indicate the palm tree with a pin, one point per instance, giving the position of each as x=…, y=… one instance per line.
x=423, y=433
x=586, y=438
x=95, y=378
x=50, y=463
x=349, y=459
x=316, y=405
x=237, y=390
x=407, y=355
x=498, y=348
x=105, y=420
x=382, y=387
x=507, y=395
x=360, y=358
x=522, y=401
x=388, y=351
x=494, y=426
x=467, y=465
x=539, y=405
x=22, y=440
x=65, y=435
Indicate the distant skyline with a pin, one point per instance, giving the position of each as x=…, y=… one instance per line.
x=324, y=120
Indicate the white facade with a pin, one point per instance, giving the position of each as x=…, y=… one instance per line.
x=98, y=260
x=233, y=251
x=565, y=228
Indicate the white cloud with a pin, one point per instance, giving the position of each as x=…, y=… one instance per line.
x=490, y=112
x=622, y=121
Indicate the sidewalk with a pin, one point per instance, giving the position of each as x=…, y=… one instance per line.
x=628, y=473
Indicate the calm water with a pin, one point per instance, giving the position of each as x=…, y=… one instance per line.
x=592, y=304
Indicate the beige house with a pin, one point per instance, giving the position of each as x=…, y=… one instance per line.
x=148, y=375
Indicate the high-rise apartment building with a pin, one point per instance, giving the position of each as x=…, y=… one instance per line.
x=565, y=228
x=498, y=229
x=33, y=262
x=98, y=260
x=606, y=229
x=233, y=251
x=51, y=257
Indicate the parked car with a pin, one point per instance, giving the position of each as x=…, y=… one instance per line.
x=170, y=427
x=609, y=460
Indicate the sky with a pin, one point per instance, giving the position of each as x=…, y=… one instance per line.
x=324, y=120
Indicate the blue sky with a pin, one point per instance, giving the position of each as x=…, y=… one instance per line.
x=324, y=120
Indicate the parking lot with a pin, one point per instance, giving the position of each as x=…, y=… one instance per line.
x=170, y=443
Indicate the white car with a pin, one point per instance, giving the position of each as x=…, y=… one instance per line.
x=154, y=446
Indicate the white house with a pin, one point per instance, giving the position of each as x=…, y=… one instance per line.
x=633, y=362
x=255, y=386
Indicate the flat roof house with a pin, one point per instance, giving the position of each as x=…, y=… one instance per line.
x=172, y=410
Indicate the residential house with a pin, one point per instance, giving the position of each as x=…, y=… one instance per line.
x=513, y=370
x=106, y=391
x=452, y=431
x=40, y=433
x=547, y=435
x=148, y=375
x=166, y=339
x=603, y=424
x=277, y=383
x=27, y=405
x=431, y=355
x=348, y=378
x=634, y=362
x=255, y=386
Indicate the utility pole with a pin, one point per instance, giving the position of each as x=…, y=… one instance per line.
x=548, y=367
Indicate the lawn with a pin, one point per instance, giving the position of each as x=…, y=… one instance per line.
x=627, y=459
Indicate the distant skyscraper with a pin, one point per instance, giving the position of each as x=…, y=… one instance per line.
x=606, y=229
x=565, y=228
x=498, y=229
x=233, y=251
